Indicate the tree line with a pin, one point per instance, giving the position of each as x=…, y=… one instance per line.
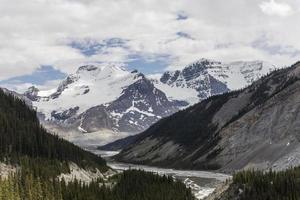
x=130, y=185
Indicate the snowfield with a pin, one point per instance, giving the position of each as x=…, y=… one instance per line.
x=86, y=89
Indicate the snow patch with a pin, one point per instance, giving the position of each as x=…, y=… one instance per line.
x=81, y=129
x=46, y=93
x=133, y=108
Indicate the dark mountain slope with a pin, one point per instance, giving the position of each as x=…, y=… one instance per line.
x=254, y=127
x=119, y=144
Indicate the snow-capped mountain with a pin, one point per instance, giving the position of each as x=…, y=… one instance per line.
x=90, y=86
x=205, y=78
x=100, y=98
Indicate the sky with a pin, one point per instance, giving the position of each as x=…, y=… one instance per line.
x=41, y=41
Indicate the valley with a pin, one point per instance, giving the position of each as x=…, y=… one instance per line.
x=149, y=100
x=194, y=149
x=194, y=144
x=202, y=183
x=144, y=104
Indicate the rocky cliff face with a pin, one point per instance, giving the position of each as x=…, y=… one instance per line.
x=32, y=93
x=256, y=127
x=140, y=105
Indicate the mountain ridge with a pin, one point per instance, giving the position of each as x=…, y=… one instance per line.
x=198, y=75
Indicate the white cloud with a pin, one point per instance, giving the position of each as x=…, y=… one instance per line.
x=37, y=32
x=22, y=87
x=275, y=8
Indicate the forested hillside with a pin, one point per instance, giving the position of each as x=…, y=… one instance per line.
x=37, y=158
x=130, y=185
x=249, y=185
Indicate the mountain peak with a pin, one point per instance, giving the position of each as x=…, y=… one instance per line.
x=87, y=68
x=32, y=93
x=33, y=89
x=205, y=61
x=114, y=69
x=198, y=67
x=96, y=69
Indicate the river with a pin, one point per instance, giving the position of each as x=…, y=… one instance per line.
x=202, y=183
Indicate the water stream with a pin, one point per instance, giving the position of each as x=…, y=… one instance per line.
x=202, y=183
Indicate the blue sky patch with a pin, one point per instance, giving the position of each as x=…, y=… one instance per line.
x=87, y=49
x=182, y=16
x=135, y=61
x=92, y=47
x=147, y=65
x=184, y=35
x=38, y=77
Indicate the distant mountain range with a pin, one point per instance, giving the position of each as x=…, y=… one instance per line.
x=205, y=78
x=111, y=101
x=255, y=127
